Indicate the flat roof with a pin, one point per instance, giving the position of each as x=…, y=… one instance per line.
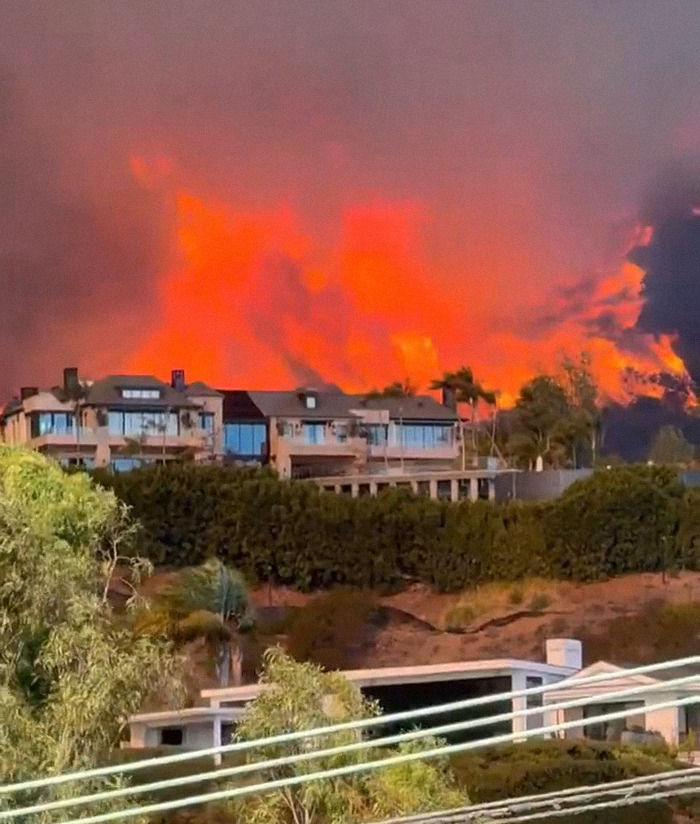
x=189, y=715
x=385, y=676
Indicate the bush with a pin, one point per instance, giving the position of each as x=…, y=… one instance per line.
x=631, y=519
x=538, y=767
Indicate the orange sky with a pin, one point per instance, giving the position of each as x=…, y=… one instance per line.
x=256, y=301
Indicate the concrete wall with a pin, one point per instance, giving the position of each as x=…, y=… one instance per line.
x=196, y=735
x=537, y=486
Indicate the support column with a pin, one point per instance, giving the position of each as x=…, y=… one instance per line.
x=355, y=490
x=492, y=489
x=373, y=489
x=473, y=489
x=519, y=704
x=454, y=489
x=433, y=489
x=217, y=733
x=414, y=487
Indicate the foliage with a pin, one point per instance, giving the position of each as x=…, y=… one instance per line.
x=660, y=631
x=301, y=696
x=69, y=674
x=617, y=521
x=670, y=447
x=323, y=630
x=535, y=767
x=622, y=520
x=210, y=602
x=394, y=390
x=465, y=388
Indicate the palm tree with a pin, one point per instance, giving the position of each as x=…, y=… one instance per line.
x=466, y=389
x=76, y=392
x=210, y=602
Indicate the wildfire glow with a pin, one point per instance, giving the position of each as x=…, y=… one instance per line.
x=256, y=302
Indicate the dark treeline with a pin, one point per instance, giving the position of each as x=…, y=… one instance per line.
x=621, y=520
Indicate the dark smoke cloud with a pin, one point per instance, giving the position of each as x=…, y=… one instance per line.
x=671, y=263
x=78, y=264
x=524, y=129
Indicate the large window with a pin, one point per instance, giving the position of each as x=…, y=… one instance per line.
x=134, y=424
x=245, y=440
x=314, y=433
x=52, y=423
x=424, y=435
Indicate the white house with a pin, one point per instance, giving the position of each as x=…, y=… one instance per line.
x=396, y=688
x=673, y=723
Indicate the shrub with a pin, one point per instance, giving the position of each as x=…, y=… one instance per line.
x=537, y=767
x=539, y=602
x=628, y=519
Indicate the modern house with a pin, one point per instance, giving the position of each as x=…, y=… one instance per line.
x=119, y=421
x=310, y=433
x=672, y=723
x=395, y=688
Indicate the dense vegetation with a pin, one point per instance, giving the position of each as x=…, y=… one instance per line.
x=621, y=520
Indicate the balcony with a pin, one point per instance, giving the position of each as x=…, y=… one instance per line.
x=299, y=445
x=443, y=451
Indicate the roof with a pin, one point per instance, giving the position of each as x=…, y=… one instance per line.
x=385, y=676
x=413, y=407
x=333, y=403
x=107, y=392
x=626, y=680
x=199, y=389
x=290, y=404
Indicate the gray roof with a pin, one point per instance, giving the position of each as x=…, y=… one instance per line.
x=337, y=404
x=414, y=407
x=200, y=389
x=107, y=392
x=290, y=404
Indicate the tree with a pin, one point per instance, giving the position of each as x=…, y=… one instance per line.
x=542, y=421
x=302, y=696
x=70, y=674
x=670, y=447
x=394, y=390
x=584, y=416
x=210, y=602
x=468, y=390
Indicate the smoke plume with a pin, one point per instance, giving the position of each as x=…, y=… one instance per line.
x=671, y=262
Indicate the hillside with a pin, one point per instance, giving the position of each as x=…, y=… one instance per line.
x=419, y=626
x=635, y=618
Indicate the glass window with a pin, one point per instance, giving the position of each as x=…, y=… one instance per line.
x=142, y=394
x=245, y=439
x=314, y=433
x=134, y=424
x=423, y=435
x=311, y=401
x=206, y=421
x=377, y=434
x=52, y=423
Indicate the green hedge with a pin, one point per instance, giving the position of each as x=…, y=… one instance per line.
x=618, y=521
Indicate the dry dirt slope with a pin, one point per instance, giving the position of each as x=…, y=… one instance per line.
x=515, y=620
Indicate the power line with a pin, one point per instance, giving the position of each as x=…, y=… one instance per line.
x=338, y=772
x=364, y=744
x=361, y=724
x=493, y=810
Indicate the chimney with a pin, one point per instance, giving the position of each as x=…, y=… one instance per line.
x=564, y=652
x=449, y=398
x=27, y=392
x=70, y=379
x=177, y=379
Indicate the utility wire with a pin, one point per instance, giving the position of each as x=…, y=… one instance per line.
x=364, y=744
x=365, y=723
